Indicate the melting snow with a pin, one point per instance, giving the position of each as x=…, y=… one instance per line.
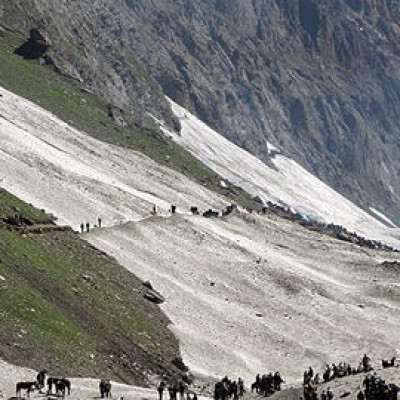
x=287, y=181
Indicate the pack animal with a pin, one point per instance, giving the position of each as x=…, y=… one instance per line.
x=28, y=386
x=255, y=386
x=387, y=364
x=61, y=385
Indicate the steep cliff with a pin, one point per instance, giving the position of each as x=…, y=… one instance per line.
x=318, y=78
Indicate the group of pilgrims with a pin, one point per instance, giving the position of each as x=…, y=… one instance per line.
x=175, y=388
x=373, y=387
x=376, y=388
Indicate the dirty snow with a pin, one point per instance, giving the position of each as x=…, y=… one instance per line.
x=287, y=182
x=78, y=178
x=245, y=294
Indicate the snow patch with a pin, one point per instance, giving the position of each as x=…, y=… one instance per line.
x=383, y=217
x=288, y=182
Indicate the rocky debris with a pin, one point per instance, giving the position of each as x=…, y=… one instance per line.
x=154, y=296
x=210, y=214
x=87, y=278
x=35, y=47
x=391, y=264
x=17, y=220
x=117, y=115
x=178, y=362
x=147, y=284
x=336, y=231
x=24, y=226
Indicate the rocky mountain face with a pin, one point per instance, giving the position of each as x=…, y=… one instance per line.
x=318, y=78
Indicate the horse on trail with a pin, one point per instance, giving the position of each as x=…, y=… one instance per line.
x=255, y=386
x=28, y=386
x=60, y=384
x=387, y=364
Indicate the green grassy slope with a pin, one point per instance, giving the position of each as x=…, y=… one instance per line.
x=70, y=308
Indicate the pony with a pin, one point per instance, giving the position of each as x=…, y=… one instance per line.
x=60, y=384
x=387, y=364
x=255, y=386
x=28, y=386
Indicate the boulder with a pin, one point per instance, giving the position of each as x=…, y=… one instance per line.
x=148, y=284
x=35, y=47
x=153, y=296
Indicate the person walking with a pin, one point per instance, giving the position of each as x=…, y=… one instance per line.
x=160, y=390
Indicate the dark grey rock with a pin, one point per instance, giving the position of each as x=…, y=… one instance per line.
x=153, y=296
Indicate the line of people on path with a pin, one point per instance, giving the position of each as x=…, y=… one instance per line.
x=175, y=388
x=345, y=369
x=195, y=211
x=86, y=226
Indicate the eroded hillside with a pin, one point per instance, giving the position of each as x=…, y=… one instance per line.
x=72, y=309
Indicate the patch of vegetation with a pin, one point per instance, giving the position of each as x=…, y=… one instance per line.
x=72, y=103
x=11, y=206
x=70, y=308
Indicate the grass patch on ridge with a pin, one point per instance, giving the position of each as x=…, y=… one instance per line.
x=66, y=306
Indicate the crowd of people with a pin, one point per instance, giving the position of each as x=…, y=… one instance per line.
x=267, y=384
x=344, y=369
x=375, y=387
x=228, y=388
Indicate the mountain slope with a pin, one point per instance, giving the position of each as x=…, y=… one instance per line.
x=70, y=308
x=232, y=285
x=316, y=78
x=281, y=181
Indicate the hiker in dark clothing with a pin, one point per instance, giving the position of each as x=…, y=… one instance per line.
x=40, y=378
x=160, y=390
x=82, y=227
x=277, y=381
x=87, y=226
x=365, y=363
